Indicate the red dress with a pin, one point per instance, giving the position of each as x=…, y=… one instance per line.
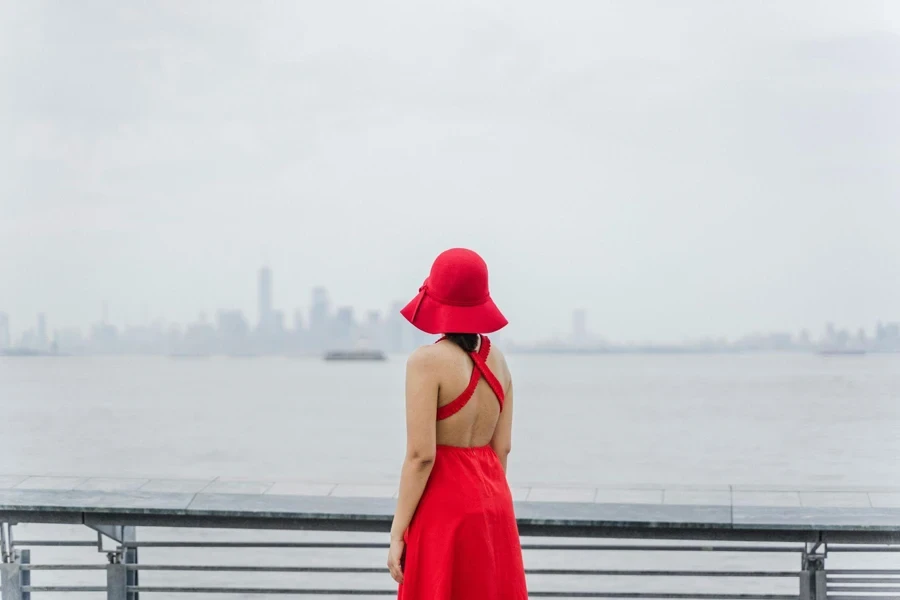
x=463, y=541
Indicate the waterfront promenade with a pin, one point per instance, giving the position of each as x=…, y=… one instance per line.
x=814, y=523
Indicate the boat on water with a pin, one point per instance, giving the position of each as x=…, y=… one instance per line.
x=18, y=352
x=364, y=349
x=841, y=352
x=361, y=354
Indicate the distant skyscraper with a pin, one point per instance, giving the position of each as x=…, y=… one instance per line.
x=373, y=334
x=43, y=342
x=298, y=320
x=318, y=314
x=70, y=340
x=345, y=315
x=4, y=331
x=264, y=286
x=233, y=331
x=199, y=337
x=104, y=338
x=232, y=325
x=579, y=326
x=277, y=322
x=344, y=327
x=319, y=318
x=892, y=332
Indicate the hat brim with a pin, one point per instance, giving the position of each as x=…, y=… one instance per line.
x=436, y=317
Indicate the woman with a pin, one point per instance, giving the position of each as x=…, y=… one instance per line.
x=454, y=535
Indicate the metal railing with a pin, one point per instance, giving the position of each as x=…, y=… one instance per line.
x=639, y=553
x=122, y=570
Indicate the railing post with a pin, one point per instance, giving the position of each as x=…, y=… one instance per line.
x=129, y=534
x=4, y=546
x=116, y=580
x=25, y=577
x=813, y=579
x=806, y=586
x=11, y=579
x=821, y=585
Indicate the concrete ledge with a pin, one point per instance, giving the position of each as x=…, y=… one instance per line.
x=256, y=508
x=723, y=495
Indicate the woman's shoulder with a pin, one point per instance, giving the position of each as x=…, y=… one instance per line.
x=434, y=356
x=426, y=356
x=431, y=353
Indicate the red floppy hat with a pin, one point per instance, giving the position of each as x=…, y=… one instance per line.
x=455, y=298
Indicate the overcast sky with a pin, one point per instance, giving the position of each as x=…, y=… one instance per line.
x=679, y=169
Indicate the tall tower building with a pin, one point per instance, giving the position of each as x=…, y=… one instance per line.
x=344, y=327
x=4, y=331
x=43, y=341
x=579, y=326
x=264, y=289
x=319, y=318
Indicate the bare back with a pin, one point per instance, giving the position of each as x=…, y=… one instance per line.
x=481, y=420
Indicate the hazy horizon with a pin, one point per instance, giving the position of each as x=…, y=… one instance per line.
x=679, y=170
x=819, y=334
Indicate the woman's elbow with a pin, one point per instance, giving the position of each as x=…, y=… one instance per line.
x=503, y=450
x=420, y=459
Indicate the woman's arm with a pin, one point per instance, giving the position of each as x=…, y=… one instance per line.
x=502, y=440
x=421, y=423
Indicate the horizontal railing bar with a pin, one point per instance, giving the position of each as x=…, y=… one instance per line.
x=58, y=543
x=854, y=548
x=687, y=596
x=62, y=588
x=311, y=545
x=555, y=547
x=859, y=597
x=661, y=573
x=260, y=591
x=569, y=572
x=359, y=592
x=662, y=548
x=381, y=546
x=253, y=569
x=314, y=569
x=865, y=580
x=839, y=572
x=863, y=588
x=34, y=567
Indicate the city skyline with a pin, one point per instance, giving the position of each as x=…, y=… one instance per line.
x=322, y=326
x=325, y=325
x=673, y=168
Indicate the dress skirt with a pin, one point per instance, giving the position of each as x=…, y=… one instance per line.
x=463, y=542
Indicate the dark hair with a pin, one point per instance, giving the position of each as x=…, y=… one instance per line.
x=466, y=341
